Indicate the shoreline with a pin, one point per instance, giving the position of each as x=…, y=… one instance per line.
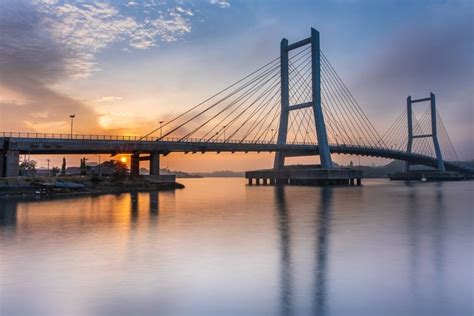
x=45, y=189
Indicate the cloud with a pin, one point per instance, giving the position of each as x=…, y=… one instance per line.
x=107, y=99
x=84, y=29
x=430, y=55
x=30, y=61
x=44, y=42
x=221, y=3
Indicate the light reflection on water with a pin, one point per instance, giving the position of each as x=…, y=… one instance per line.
x=219, y=247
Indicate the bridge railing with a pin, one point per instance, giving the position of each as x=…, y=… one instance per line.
x=96, y=137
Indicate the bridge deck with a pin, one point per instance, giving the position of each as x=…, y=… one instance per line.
x=40, y=143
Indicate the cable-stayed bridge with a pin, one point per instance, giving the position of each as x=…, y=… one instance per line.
x=295, y=105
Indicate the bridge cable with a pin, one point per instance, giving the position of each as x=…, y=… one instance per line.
x=250, y=93
x=353, y=117
x=368, y=122
x=257, y=80
x=213, y=96
x=226, y=125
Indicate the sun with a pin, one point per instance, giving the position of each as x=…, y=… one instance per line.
x=123, y=159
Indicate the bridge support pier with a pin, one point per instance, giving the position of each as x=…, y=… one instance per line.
x=9, y=162
x=155, y=164
x=135, y=164
x=295, y=175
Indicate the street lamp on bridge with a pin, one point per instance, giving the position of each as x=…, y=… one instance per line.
x=72, y=116
x=161, y=128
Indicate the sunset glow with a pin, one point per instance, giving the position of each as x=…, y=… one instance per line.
x=123, y=66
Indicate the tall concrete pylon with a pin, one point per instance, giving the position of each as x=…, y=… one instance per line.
x=315, y=103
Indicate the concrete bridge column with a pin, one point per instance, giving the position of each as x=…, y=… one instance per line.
x=2, y=164
x=9, y=162
x=154, y=164
x=135, y=164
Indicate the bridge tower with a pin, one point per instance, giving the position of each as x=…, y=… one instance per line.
x=434, y=130
x=315, y=103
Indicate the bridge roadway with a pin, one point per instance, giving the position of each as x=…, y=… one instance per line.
x=32, y=143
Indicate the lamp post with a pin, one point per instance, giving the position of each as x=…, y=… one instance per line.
x=161, y=128
x=223, y=129
x=72, y=116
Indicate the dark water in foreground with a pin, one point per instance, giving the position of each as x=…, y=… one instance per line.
x=219, y=247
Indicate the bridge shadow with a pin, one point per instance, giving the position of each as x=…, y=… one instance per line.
x=322, y=225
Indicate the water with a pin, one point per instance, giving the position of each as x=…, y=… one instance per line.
x=219, y=247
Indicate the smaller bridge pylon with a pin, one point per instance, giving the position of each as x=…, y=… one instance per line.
x=434, y=130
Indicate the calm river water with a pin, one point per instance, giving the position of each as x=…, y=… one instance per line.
x=220, y=247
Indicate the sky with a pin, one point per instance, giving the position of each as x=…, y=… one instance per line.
x=123, y=66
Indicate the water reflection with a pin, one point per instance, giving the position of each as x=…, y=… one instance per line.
x=9, y=209
x=134, y=206
x=413, y=224
x=154, y=204
x=285, y=253
x=322, y=251
x=322, y=225
x=439, y=227
x=432, y=212
x=8, y=213
x=220, y=248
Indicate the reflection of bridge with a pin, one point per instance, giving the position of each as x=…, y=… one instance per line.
x=296, y=105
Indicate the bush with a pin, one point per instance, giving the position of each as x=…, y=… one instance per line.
x=95, y=179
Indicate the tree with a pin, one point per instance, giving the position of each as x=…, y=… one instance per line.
x=119, y=169
x=63, y=167
x=55, y=171
x=27, y=168
x=83, y=166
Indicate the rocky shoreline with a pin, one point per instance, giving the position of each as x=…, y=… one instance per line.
x=48, y=188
